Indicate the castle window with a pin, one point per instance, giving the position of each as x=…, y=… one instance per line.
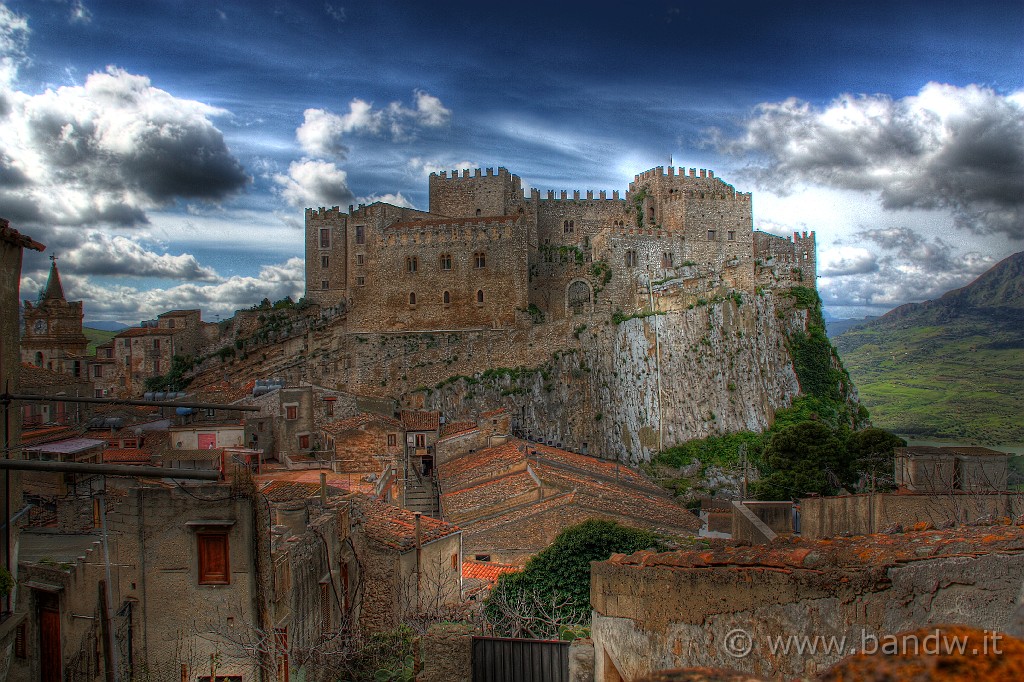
x=325, y=284
x=156, y=344
x=392, y=440
x=156, y=366
x=360, y=259
x=711, y=235
x=446, y=298
x=631, y=258
x=446, y=261
x=411, y=265
x=325, y=238
x=732, y=235
x=479, y=296
x=325, y=262
x=479, y=260
x=97, y=371
x=360, y=234
x=412, y=298
x=478, y=211
x=666, y=260
x=170, y=323
x=360, y=281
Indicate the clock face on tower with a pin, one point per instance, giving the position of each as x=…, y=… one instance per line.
x=39, y=327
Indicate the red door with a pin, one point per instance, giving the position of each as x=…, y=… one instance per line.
x=49, y=638
x=207, y=441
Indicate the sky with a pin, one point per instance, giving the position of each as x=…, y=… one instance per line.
x=164, y=151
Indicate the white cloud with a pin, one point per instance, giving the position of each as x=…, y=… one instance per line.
x=420, y=166
x=129, y=304
x=80, y=14
x=394, y=199
x=109, y=151
x=958, y=149
x=322, y=131
x=96, y=253
x=14, y=32
x=312, y=182
x=846, y=260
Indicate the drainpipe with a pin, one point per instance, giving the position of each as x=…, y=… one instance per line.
x=419, y=557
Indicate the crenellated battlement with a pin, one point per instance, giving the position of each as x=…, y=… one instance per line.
x=660, y=172
x=325, y=214
x=563, y=195
x=476, y=173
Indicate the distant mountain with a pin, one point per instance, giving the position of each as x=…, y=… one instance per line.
x=948, y=368
x=106, y=326
x=834, y=327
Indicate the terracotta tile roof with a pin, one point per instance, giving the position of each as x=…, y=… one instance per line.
x=12, y=236
x=287, y=491
x=360, y=420
x=481, y=465
x=468, y=502
x=180, y=313
x=594, y=465
x=48, y=434
x=145, y=331
x=879, y=550
x=485, y=570
x=494, y=413
x=346, y=482
x=31, y=376
x=127, y=456
x=421, y=421
x=395, y=527
x=457, y=428
x=413, y=224
x=207, y=455
x=521, y=515
x=223, y=393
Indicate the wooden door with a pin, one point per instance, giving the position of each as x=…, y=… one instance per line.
x=49, y=638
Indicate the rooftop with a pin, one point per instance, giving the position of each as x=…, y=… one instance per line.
x=145, y=331
x=949, y=451
x=485, y=570
x=395, y=527
x=287, y=491
x=11, y=236
x=127, y=456
x=421, y=421
x=69, y=446
x=457, y=428
x=880, y=550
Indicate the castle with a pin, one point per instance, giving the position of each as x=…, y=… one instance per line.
x=485, y=255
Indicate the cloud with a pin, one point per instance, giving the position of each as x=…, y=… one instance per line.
x=129, y=304
x=14, y=32
x=96, y=253
x=321, y=133
x=892, y=266
x=393, y=199
x=959, y=149
x=110, y=150
x=336, y=13
x=80, y=14
x=313, y=182
x=420, y=166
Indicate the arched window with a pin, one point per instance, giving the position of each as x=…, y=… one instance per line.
x=446, y=261
x=478, y=211
x=39, y=359
x=411, y=265
x=412, y=298
x=479, y=295
x=479, y=260
x=447, y=298
x=631, y=258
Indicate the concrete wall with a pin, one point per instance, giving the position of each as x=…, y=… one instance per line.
x=822, y=517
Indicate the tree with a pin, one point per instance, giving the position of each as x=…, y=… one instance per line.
x=806, y=458
x=870, y=454
x=553, y=591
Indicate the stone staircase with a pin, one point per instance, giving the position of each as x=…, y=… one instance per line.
x=421, y=496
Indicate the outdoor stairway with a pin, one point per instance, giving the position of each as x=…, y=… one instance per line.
x=421, y=496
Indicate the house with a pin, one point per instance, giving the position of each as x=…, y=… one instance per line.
x=422, y=430
x=951, y=469
x=41, y=381
x=365, y=443
x=511, y=500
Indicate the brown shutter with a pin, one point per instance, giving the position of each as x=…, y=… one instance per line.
x=213, y=558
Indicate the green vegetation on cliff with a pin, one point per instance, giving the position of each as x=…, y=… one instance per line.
x=96, y=337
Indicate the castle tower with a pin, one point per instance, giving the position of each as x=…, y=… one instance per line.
x=483, y=194
x=326, y=255
x=53, y=335
x=806, y=255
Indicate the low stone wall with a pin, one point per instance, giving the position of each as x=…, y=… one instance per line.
x=446, y=654
x=822, y=517
x=736, y=607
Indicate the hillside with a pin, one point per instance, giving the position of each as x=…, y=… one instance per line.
x=96, y=337
x=948, y=368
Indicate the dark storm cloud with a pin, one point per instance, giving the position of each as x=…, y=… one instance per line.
x=950, y=148
x=112, y=149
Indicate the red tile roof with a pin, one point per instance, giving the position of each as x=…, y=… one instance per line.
x=421, y=421
x=867, y=550
x=48, y=434
x=127, y=456
x=482, y=465
x=485, y=570
x=145, y=331
x=32, y=376
x=395, y=527
x=360, y=420
x=467, y=502
x=494, y=413
x=457, y=428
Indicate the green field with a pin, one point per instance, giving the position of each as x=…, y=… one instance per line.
x=960, y=381
x=96, y=337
